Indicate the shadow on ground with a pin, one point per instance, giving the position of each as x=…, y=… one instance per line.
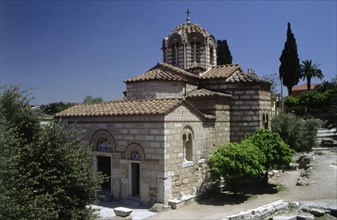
x=220, y=198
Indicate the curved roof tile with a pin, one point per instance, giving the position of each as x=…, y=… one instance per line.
x=122, y=107
x=163, y=71
x=205, y=93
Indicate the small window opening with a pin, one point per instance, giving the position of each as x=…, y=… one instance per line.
x=104, y=145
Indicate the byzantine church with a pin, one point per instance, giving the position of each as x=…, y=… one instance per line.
x=153, y=144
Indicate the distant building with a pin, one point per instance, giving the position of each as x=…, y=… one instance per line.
x=298, y=90
x=154, y=143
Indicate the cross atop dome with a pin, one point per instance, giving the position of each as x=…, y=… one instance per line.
x=188, y=12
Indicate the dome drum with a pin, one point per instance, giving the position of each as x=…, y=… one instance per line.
x=190, y=47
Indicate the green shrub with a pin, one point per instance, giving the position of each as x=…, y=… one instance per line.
x=299, y=134
x=235, y=161
x=277, y=153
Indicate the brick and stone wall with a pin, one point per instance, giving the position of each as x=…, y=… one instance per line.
x=144, y=132
x=188, y=176
x=249, y=102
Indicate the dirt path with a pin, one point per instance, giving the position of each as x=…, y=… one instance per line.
x=322, y=189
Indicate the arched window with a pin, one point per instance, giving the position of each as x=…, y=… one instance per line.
x=188, y=144
x=195, y=52
x=265, y=120
x=103, y=145
x=134, y=155
x=211, y=54
x=102, y=141
x=175, y=54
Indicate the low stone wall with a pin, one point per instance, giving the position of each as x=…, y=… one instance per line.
x=260, y=212
x=281, y=210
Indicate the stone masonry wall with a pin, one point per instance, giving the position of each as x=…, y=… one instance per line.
x=188, y=176
x=249, y=103
x=146, y=132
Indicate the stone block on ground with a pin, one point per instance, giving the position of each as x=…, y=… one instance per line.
x=122, y=211
x=305, y=217
x=285, y=217
x=317, y=212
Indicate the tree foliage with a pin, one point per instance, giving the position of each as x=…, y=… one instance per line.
x=309, y=71
x=299, y=134
x=235, y=161
x=56, y=107
x=332, y=118
x=224, y=55
x=277, y=153
x=90, y=100
x=313, y=99
x=289, y=69
x=261, y=151
x=45, y=173
x=273, y=78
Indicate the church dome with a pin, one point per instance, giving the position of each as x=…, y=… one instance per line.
x=188, y=28
x=190, y=47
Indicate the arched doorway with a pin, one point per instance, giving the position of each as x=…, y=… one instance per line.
x=103, y=145
x=135, y=155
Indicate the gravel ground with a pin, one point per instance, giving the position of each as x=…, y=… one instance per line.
x=322, y=190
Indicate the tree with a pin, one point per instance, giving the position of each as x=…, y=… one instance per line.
x=332, y=118
x=223, y=53
x=235, y=161
x=289, y=70
x=309, y=71
x=56, y=107
x=277, y=153
x=273, y=79
x=313, y=99
x=326, y=85
x=45, y=173
x=299, y=134
x=91, y=100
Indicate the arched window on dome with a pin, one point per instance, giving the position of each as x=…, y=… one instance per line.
x=211, y=54
x=195, y=51
x=175, y=54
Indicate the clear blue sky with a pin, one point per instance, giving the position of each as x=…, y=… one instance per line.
x=67, y=50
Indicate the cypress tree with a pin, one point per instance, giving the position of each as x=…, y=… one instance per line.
x=223, y=53
x=290, y=64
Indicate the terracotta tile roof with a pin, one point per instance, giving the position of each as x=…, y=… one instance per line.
x=243, y=77
x=122, y=107
x=231, y=73
x=205, y=93
x=221, y=71
x=304, y=87
x=163, y=71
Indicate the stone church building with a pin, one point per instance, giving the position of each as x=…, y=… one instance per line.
x=154, y=143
